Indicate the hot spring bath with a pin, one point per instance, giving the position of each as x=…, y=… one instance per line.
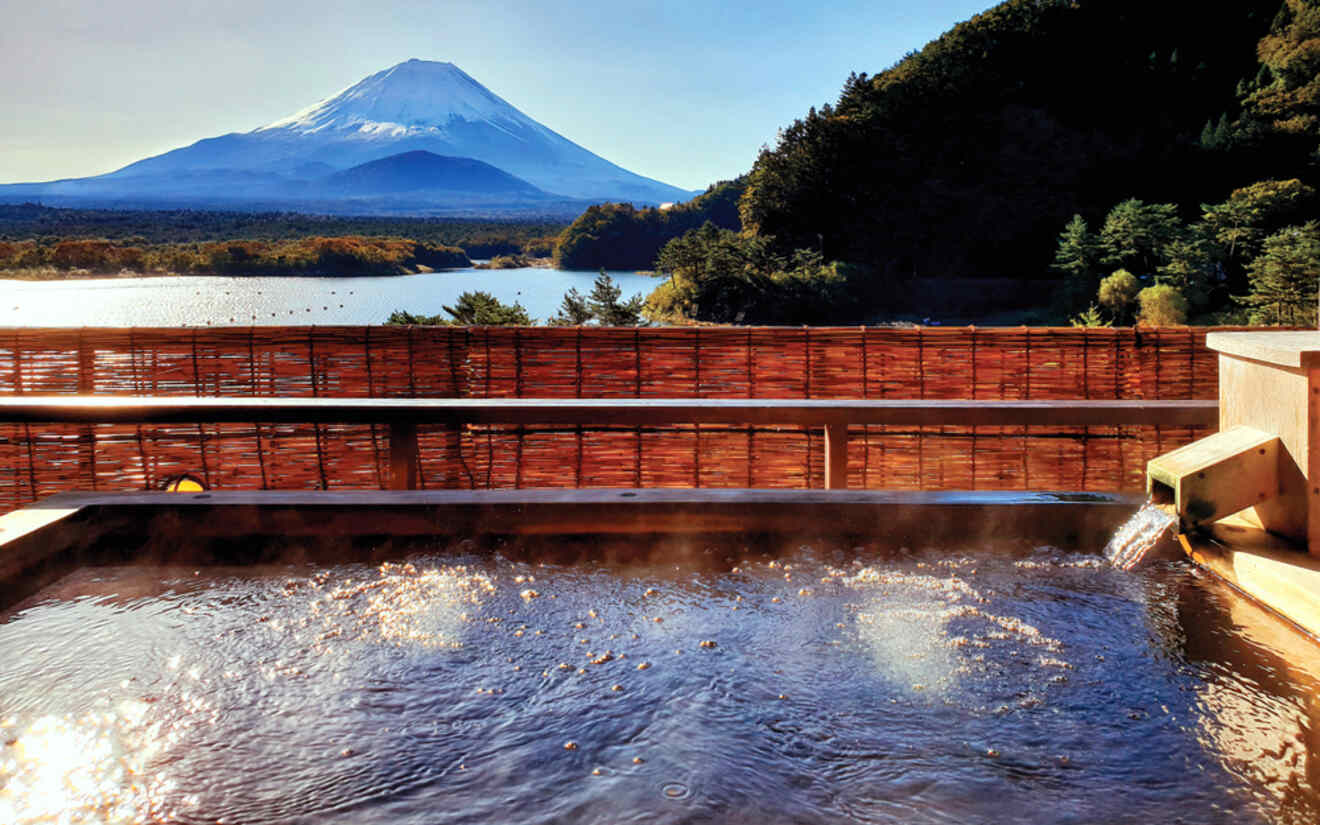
x=909, y=658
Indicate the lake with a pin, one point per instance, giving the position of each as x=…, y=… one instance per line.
x=204, y=300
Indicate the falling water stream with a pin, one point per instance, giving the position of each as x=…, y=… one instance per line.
x=1139, y=538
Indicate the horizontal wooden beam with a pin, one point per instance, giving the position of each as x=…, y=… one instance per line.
x=605, y=412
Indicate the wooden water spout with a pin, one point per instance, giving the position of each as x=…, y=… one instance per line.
x=1270, y=381
x=1217, y=476
x=1248, y=497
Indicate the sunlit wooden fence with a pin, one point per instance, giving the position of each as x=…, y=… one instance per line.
x=674, y=363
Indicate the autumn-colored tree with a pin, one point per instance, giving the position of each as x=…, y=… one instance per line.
x=1161, y=305
x=1281, y=108
x=1118, y=294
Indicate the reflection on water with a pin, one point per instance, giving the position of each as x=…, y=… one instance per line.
x=819, y=684
x=1260, y=714
x=90, y=768
x=224, y=301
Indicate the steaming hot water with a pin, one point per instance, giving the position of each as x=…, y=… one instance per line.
x=819, y=683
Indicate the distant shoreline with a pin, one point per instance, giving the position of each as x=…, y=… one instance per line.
x=51, y=274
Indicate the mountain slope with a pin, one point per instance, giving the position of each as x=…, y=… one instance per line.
x=416, y=106
x=968, y=156
x=427, y=174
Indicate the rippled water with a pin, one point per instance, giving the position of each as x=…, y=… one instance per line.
x=203, y=300
x=821, y=684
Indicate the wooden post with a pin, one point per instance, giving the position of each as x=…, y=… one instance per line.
x=403, y=455
x=836, y=456
x=87, y=432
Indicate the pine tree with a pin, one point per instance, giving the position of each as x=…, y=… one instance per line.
x=1090, y=317
x=1191, y=266
x=482, y=309
x=1135, y=234
x=1078, y=259
x=1239, y=224
x=605, y=307
x=1285, y=277
x=573, y=312
x=1223, y=132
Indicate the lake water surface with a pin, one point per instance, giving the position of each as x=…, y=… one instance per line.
x=199, y=300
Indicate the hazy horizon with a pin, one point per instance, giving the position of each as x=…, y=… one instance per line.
x=91, y=89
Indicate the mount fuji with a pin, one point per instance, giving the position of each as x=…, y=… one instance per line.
x=418, y=112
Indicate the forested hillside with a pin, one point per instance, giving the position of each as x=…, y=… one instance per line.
x=1173, y=139
x=620, y=236
x=966, y=157
x=479, y=237
x=351, y=255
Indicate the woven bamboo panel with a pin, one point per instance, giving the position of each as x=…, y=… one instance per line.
x=707, y=362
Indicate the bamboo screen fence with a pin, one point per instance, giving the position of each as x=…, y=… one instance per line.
x=710, y=362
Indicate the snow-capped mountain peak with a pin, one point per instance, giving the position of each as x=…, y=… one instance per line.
x=427, y=107
x=414, y=96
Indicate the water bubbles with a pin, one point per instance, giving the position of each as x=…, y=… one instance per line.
x=935, y=668
x=675, y=790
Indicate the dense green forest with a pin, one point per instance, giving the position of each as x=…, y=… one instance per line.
x=620, y=236
x=967, y=156
x=1057, y=140
x=1250, y=257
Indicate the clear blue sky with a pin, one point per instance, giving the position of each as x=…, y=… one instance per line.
x=686, y=91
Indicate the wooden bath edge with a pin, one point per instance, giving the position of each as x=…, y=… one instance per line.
x=46, y=540
x=1270, y=571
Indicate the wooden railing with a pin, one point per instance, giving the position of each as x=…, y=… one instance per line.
x=403, y=415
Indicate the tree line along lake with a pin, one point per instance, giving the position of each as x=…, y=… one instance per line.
x=207, y=300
